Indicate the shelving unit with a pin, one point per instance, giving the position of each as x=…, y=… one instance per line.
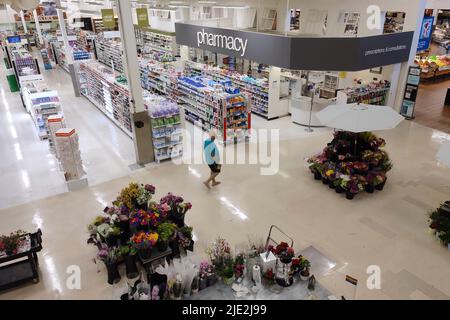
x=151, y=39
x=54, y=123
x=41, y=103
x=256, y=90
x=166, y=119
x=68, y=150
x=99, y=85
x=97, y=24
x=109, y=52
x=373, y=93
x=207, y=105
x=329, y=87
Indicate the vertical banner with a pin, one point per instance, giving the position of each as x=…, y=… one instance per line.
x=108, y=18
x=425, y=33
x=142, y=17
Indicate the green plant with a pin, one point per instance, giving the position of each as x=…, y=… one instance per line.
x=186, y=231
x=304, y=263
x=126, y=250
x=228, y=269
x=166, y=230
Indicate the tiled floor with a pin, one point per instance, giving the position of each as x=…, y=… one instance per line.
x=387, y=229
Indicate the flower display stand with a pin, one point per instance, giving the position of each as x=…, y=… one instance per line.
x=21, y=267
x=352, y=163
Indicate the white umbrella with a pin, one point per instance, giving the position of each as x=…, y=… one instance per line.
x=359, y=117
x=443, y=154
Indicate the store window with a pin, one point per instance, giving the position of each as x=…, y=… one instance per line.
x=294, y=19
x=394, y=22
x=350, y=21
x=316, y=22
x=268, y=19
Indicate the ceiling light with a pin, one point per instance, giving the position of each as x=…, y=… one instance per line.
x=230, y=7
x=207, y=2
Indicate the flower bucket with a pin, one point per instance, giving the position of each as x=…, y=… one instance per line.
x=113, y=273
x=380, y=186
x=130, y=266
x=369, y=188
x=212, y=280
x=202, y=283
x=448, y=246
x=339, y=189
x=317, y=175
x=349, y=195
x=325, y=181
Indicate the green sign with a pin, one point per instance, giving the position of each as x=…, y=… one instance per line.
x=108, y=18
x=142, y=17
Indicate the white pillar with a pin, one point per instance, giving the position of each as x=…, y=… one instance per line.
x=24, y=24
x=62, y=26
x=405, y=65
x=142, y=130
x=38, y=27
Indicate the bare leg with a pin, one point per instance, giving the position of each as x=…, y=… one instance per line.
x=211, y=178
x=214, y=182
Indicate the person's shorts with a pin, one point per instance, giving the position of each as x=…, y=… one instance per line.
x=214, y=167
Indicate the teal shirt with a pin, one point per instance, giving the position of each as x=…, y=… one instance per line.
x=211, y=151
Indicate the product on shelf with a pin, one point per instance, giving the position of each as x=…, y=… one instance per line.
x=374, y=93
x=46, y=59
x=99, y=84
x=41, y=103
x=165, y=117
x=54, y=123
x=67, y=148
x=256, y=89
x=156, y=40
x=208, y=105
x=433, y=65
x=109, y=52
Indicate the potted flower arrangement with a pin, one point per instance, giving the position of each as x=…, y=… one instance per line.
x=166, y=231
x=178, y=208
x=440, y=223
x=219, y=253
x=354, y=185
x=128, y=252
x=305, y=265
x=109, y=234
x=227, y=271
x=269, y=277
x=184, y=237
x=239, y=266
x=205, y=273
x=143, y=242
x=296, y=268
x=10, y=244
x=352, y=155
x=110, y=256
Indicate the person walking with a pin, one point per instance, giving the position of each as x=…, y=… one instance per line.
x=212, y=159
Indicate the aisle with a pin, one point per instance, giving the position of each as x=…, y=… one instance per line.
x=27, y=169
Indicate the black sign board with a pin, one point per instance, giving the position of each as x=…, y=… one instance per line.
x=295, y=53
x=410, y=95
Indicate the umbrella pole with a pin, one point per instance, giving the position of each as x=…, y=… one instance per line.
x=309, y=129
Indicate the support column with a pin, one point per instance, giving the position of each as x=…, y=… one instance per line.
x=69, y=52
x=24, y=24
x=38, y=27
x=142, y=129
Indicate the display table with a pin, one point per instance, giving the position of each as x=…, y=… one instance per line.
x=301, y=108
x=23, y=266
x=298, y=291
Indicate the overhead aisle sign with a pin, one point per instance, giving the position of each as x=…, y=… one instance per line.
x=108, y=18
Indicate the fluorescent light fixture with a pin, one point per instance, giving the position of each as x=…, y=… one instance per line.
x=207, y=2
x=177, y=2
x=90, y=11
x=178, y=6
x=230, y=7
